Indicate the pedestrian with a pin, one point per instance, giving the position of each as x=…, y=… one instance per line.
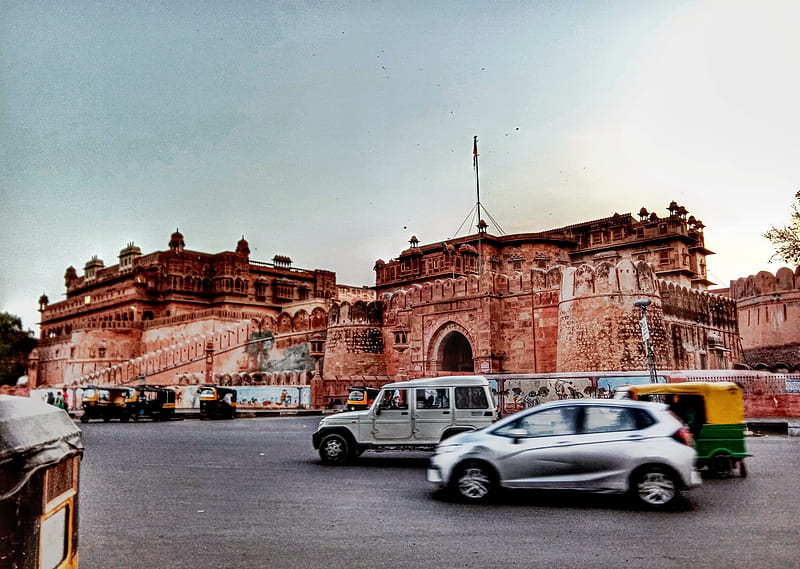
x=66, y=399
x=60, y=400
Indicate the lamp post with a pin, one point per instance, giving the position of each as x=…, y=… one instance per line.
x=642, y=305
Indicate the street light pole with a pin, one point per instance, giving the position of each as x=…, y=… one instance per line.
x=642, y=305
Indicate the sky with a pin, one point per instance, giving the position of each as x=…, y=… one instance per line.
x=333, y=131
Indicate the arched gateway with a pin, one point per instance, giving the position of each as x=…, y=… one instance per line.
x=451, y=350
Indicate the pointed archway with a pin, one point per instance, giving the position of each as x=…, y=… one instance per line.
x=456, y=353
x=450, y=350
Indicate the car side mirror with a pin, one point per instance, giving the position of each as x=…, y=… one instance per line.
x=518, y=434
x=378, y=409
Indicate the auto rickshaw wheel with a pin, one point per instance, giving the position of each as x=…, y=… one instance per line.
x=722, y=465
x=742, y=469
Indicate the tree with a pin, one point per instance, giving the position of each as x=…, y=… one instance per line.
x=786, y=240
x=15, y=347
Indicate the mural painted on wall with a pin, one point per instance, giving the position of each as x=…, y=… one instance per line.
x=265, y=353
x=524, y=393
x=274, y=397
x=187, y=397
x=253, y=397
x=607, y=386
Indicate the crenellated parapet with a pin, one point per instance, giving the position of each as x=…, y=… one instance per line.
x=765, y=283
x=698, y=307
x=623, y=278
x=471, y=286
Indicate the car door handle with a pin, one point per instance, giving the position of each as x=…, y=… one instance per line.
x=404, y=413
x=445, y=412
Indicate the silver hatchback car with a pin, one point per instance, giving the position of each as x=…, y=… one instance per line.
x=598, y=445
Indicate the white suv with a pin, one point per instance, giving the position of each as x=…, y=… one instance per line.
x=408, y=415
x=599, y=445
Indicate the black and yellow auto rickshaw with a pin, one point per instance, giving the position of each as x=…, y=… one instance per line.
x=151, y=402
x=361, y=397
x=714, y=413
x=105, y=403
x=217, y=402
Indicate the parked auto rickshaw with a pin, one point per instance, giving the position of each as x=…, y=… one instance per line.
x=105, y=403
x=151, y=402
x=217, y=402
x=714, y=413
x=361, y=397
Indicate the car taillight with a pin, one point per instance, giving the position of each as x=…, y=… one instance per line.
x=684, y=436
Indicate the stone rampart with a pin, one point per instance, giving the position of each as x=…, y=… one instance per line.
x=768, y=309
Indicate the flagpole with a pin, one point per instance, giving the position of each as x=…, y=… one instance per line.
x=477, y=178
x=478, y=193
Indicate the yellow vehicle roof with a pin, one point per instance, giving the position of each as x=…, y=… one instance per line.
x=724, y=404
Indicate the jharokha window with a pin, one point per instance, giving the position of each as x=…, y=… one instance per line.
x=284, y=291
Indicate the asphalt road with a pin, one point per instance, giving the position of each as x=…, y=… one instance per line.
x=251, y=493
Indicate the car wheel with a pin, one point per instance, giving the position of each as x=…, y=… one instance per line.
x=655, y=488
x=474, y=482
x=334, y=449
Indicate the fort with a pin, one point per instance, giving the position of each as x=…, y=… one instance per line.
x=555, y=301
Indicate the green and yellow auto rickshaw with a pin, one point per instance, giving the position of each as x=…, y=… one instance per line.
x=217, y=402
x=714, y=413
x=105, y=403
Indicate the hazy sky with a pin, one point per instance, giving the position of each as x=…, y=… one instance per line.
x=333, y=131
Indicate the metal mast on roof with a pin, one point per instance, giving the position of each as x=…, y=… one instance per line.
x=481, y=226
x=480, y=223
x=477, y=178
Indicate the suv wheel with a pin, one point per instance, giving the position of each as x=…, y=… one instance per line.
x=334, y=449
x=474, y=482
x=655, y=488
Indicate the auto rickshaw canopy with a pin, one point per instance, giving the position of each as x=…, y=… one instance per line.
x=723, y=400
